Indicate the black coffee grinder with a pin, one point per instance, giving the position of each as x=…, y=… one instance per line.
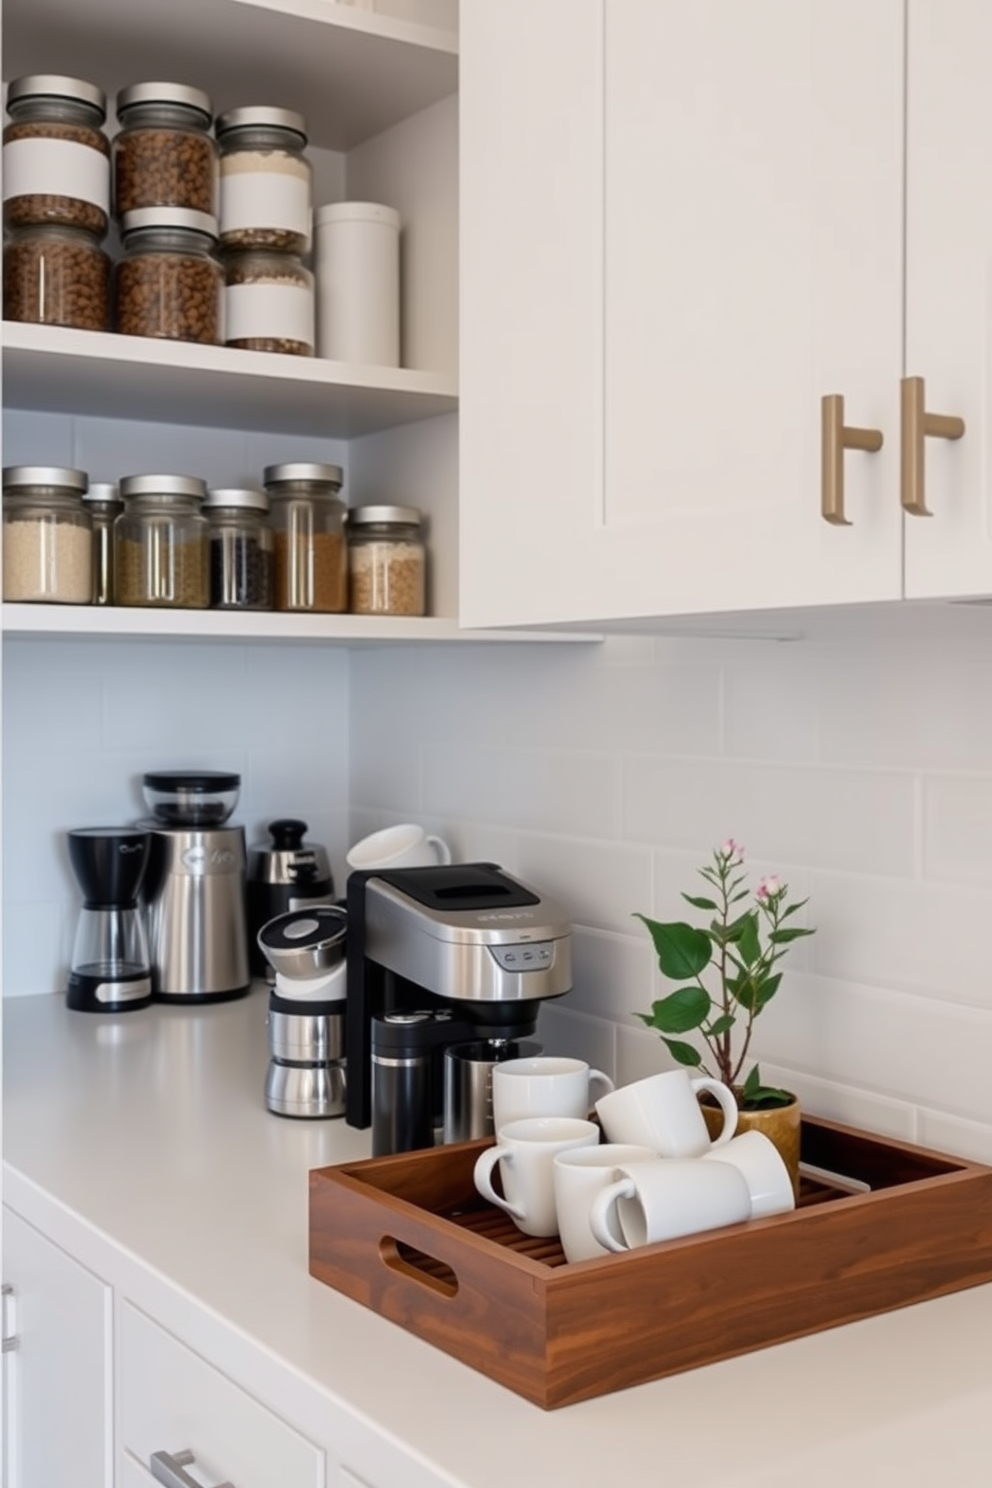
x=111, y=968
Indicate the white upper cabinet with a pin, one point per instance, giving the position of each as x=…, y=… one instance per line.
x=682, y=226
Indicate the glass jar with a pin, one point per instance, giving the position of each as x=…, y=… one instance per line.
x=161, y=554
x=47, y=536
x=241, y=549
x=386, y=561
x=268, y=302
x=54, y=274
x=307, y=518
x=102, y=501
x=168, y=284
x=266, y=181
x=56, y=157
x=164, y=155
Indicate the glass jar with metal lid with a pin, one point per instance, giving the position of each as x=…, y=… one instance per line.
x=386, y=561
x=47, y=536
x=268, y=302
x=164, y=155
x=102, y=501
x=168, y=283
x=307, y=518
x=266, y=181
x=56, y=157
x=161, y=554
x=241, y=548
x=54, y=274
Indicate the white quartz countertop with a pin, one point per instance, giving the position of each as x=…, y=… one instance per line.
x=151, y=1127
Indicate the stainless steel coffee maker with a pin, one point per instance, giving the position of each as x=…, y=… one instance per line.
x=440, y=958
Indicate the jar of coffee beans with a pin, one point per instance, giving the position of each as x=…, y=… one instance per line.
x=56, y=157
x=240, y=549
x=164, y=155
x=386, y=561
x=266, y=191
x=54, y=274
x=168, y=283
x=268, y=302
x=104, y=505
x=161, y=554
x=47, y=536
x=307, y=519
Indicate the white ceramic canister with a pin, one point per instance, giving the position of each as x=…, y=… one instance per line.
x=357, y=266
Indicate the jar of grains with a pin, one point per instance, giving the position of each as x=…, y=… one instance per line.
x=268, y=302
x=47, y=535
x=164, y=155
x=160, y=543
x=104, y=505
x=307, y=518
x=56, y=157
x=386, y=561
x=168, y=283
x=266, y=182
x=240, y=549
x=54, y=274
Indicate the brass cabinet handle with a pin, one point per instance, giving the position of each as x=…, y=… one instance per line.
x=836, y=438
x=917, y=426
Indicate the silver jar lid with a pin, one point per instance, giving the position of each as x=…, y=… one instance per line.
x=16, y=477
x=163, y=485
x=258, y=116
x=104, y=493
x=183, y=219
x=52, y=85
x=244, y=498
x=178, y=93
x=275, y=475
x=360, y=516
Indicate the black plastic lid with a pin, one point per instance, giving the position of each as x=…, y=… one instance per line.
x=287, y=833
x=207, y=781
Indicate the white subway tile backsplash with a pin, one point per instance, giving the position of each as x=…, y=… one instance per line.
x=543, y=791
x=957, y=829
x=596, y=881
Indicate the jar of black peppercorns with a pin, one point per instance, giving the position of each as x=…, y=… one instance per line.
x=168, y=283
x=164, y=154
x=241, y=549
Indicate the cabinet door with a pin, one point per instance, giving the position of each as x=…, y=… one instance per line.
x=57, y=1378
x=948, y=283
x=682, y=225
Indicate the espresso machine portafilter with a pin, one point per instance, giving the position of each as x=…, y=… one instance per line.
x=447, y=969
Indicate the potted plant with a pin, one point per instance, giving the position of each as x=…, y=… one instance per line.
x=727, y=973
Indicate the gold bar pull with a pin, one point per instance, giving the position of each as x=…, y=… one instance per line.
x=917, y=427
x=837, y=437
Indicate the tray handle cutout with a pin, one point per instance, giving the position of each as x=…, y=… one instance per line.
x=418, y=1266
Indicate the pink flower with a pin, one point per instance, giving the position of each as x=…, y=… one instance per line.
x=770, y=887
x=732, y=851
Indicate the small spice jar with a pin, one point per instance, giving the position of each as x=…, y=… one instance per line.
x=386, y=561
x=268, y=303
x=54, y=274
x=161, y=554
x=56, y=157
x=266, y=181
x=102, y=501
x=307, y=519
x=47, y=536
x=168, y=284
x=164, y=154
x=241, y=549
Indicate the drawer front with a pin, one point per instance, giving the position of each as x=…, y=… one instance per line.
x=172, y=1400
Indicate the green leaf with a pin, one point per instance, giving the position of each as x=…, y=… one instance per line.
x=782, y=937
x=765, y=990
x=752, y=1083
x=752, y=994
x=687, y=1008
x=721, y=1025
x=683, y=1053
x=682, y=950
x=748, y=943
x=755, y=1096
x=698, y=902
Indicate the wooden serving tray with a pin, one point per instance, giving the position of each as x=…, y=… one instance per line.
x=409, y=1237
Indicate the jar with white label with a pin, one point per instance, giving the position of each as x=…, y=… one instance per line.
x=56, y=157
x=266, y=180
x=386, y=561
x=268, y=302
x=47, y=536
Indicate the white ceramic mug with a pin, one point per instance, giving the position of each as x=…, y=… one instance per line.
x=662, y=1113
x=579, y=1175
x=525, y=1151
x=764, y=1171
x=545, y=1085
x=663, y=1200
x=403, y=846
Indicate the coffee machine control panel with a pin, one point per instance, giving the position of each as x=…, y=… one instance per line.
x=525, y=956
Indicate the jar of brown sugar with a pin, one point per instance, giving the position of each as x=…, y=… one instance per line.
x=307, y=520
x=56, y=157
x=386, y=561
x=161, y=552
x=164, y=154
x=168, y=283
x=47, y=536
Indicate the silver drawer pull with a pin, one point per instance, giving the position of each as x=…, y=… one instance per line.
x=8, y=1341
x=167, y=1468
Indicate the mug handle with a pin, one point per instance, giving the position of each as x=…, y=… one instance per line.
x=725, y=1096
x=441, y=848
x=596, y=1077
x=600, y=1209
x=483, y=1177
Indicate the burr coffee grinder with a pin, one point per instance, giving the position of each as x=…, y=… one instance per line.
x=306, y=1073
